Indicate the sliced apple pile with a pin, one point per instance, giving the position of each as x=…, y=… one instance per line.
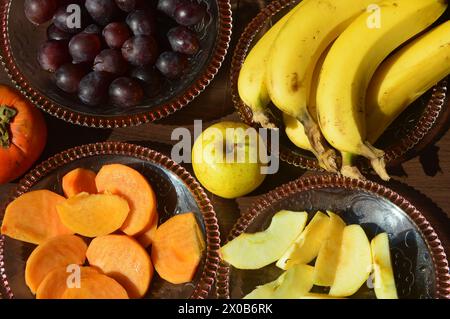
x=344, y=257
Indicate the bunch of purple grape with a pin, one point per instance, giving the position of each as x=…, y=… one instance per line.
x=116, y=49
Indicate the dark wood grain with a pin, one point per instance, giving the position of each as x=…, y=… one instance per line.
x=424, y=179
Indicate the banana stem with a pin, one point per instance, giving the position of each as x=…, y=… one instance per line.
x=379, y=167
x=376, y=158
x=324, y=153
x=348, y=169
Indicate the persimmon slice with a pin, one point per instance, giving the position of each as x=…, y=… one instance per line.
x=93, y=215
x=58, y=251
x=33, y=218
x=130, y=184
x=56, y=282
x=177, y=248
x=96, y=286
x=146, y=238
x=79, y=180
x=124, y=259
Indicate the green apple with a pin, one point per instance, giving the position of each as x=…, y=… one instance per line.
x=328, y=257
x=307, y=245
x=384, y=282
x=257, y=250
x=355, y=262
x=229, y=166
x=295, y=283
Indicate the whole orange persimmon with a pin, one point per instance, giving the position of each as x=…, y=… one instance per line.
x=23, y=134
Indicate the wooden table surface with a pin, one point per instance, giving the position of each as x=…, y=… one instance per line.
x=424, y=179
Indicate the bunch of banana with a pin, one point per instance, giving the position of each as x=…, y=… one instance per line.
x=280, y=67
x=313, y=82
x=293, y=58
x=399, y=81
x=350, y=65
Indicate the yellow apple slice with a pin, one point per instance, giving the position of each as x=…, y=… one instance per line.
x=327, y=260
x=292, y=284
x=384, y=282
x=254, y=251
x=355, y=262
x=266, y=291
x=307, y=245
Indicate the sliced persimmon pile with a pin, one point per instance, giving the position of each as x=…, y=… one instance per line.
x=79, y=180
x=117, y=208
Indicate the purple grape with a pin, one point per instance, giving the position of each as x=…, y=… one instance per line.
x=125, y=92
x=102, y=11
x=84, y=47
x=115, y=34
x=142, y=22
x=129, y=5
x=140, y=50
x=111, y=61
x=189, y=13
x=54, y=33
x=149, y=78
x=183, y=40
x=40, y=11
x=64, y=16
x=171, y=64
x=168, y=6
x=93, y=29
x=68, y=77
x=93, y=88
x=52, y=54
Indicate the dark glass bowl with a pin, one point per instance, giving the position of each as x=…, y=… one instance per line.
x=420, y=264
x=20, y=41
x=177, y=192
x=419, y=125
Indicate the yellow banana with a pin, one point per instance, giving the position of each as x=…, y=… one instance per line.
x=294, y=55
x=351, y=63
x=251, y=82
x=296, y=132
x=294, y=128
x=405, y=76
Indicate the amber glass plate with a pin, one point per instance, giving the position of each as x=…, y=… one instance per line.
x=419, y=260
x=419, y=125
x=176, y=190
